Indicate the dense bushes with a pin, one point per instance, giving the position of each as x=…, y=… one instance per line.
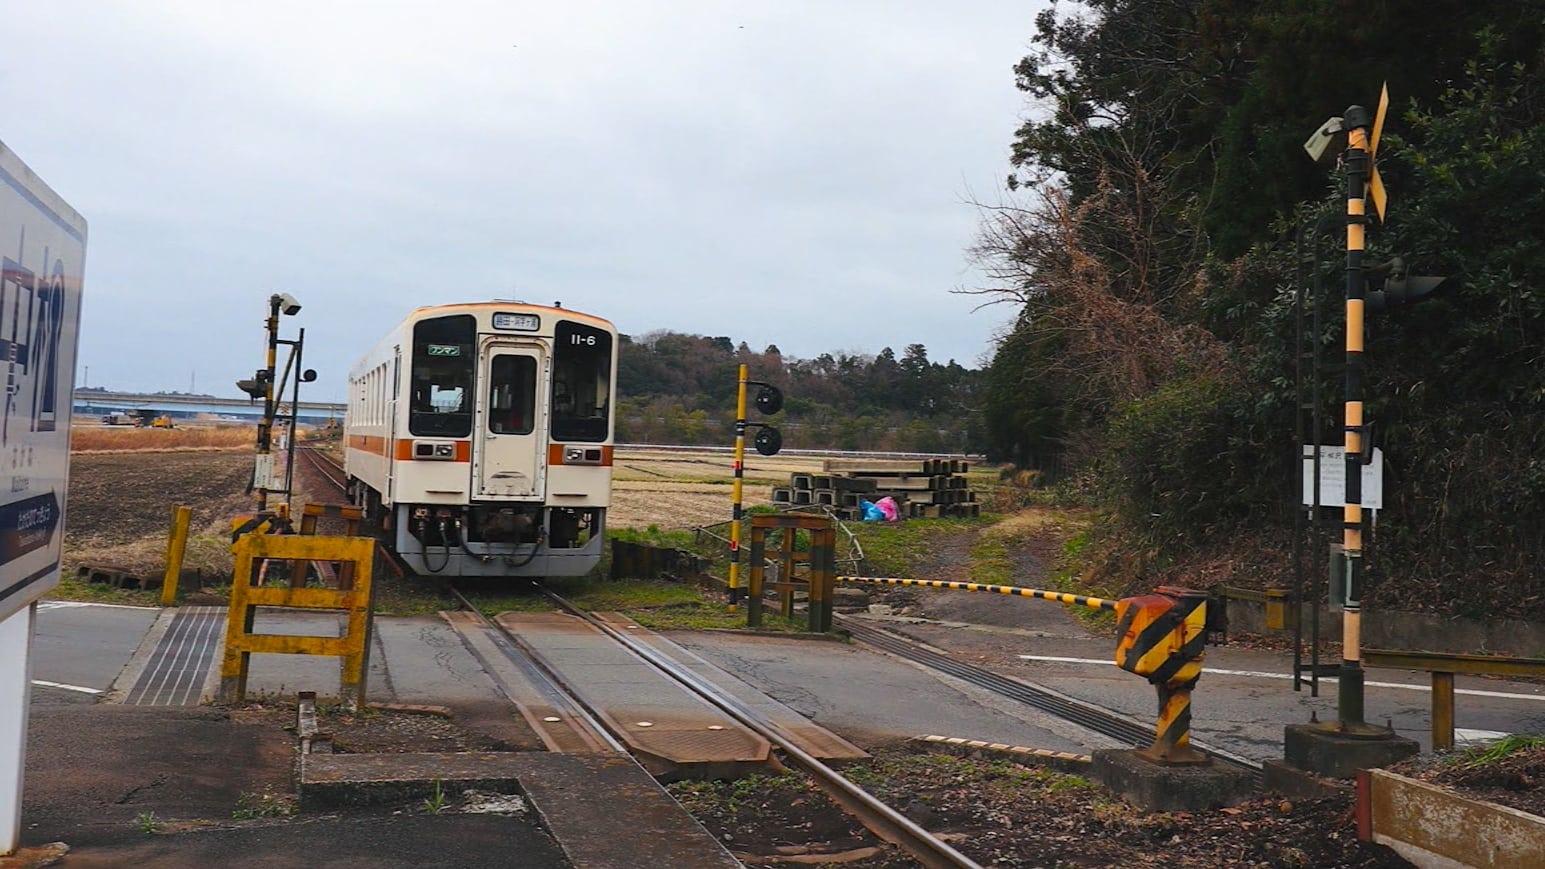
x=1203, y=455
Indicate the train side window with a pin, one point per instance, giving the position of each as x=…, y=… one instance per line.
x=441, y=389
x=512, y=394
x=582, y=383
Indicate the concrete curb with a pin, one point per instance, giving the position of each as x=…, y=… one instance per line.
x=1058, y=760
x=140, y=659
x=1433, y=826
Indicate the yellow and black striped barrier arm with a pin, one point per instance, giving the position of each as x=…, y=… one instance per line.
x=1097, y=603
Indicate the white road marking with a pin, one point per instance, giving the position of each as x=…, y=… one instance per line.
x=77, y=688
x=1467, y=736
x=1262, y=674
x=71, y=604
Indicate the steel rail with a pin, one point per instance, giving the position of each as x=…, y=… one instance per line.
x=506, y=641
x=882, y=820
x=1084, y=714
x=318, y=460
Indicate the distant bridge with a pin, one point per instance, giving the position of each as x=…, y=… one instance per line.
x=94, y=401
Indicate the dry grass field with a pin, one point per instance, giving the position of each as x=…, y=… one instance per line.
x=679, y=489
x=103, y=439
x=674, y=489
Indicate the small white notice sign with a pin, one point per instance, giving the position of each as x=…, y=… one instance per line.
x=1333, y=478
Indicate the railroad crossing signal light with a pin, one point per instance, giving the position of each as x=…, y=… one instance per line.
x=1391, y=284
x=1319, y=142
x=769, y=399
x=768, y=441
x=257, y=387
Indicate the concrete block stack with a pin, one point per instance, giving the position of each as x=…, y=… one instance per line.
x=921, y=488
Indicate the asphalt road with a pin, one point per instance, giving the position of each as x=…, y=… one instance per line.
x=1243, y=699
x=80, y=649
x=83, y=646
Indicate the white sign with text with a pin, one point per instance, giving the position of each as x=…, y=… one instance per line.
x=1333, y=478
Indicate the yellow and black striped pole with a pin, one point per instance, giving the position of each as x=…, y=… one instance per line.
x=265, y=432
x=1020, y=591
x=1349, y=698
x=735, y=490
x=1162, y=637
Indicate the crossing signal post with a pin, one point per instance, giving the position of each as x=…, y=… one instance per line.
x=768, y=441
x=263, y=385
x=1340, y=747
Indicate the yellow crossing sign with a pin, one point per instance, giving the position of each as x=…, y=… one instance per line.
x=1376, y=183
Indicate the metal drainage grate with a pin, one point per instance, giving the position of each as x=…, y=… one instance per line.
x=180, y=664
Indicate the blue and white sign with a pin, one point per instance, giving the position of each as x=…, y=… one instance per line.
x=42, y=258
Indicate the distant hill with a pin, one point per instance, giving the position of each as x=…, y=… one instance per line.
x=680, y=388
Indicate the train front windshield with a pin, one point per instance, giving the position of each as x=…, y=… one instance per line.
x=443, y=364
x=582, y=383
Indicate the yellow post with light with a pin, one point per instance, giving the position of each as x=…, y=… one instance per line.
x=737, y=485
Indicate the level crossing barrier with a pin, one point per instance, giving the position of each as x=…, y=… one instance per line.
x=1161, y=636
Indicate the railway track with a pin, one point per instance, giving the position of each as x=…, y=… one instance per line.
x=878, y=817
x=884, y=821
x=327, y=466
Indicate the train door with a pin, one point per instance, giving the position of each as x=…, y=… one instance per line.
x=508, y=443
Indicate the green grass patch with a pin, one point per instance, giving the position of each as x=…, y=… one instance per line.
x=1482, y=756
x=74, y=588
x=1069, y=577
x=654, y=535
x=991, y=563
x=900, y=548
x=752, y=793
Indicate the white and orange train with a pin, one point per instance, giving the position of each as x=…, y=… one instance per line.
x=480, y=436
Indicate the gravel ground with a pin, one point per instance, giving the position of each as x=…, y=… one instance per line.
x=1001, y=813
x=377, y=731
x=1515, y=779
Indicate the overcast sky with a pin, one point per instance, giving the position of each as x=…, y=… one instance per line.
x=781, y=172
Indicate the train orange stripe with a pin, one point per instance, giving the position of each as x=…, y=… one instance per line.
x=368, y=443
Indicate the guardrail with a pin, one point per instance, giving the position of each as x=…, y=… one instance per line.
x=1443, y=666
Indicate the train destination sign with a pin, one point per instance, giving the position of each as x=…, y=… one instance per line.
x=42, y=257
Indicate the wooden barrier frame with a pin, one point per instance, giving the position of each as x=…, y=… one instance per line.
x=356, y=554
x=1443, y=666
x=821, y=577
